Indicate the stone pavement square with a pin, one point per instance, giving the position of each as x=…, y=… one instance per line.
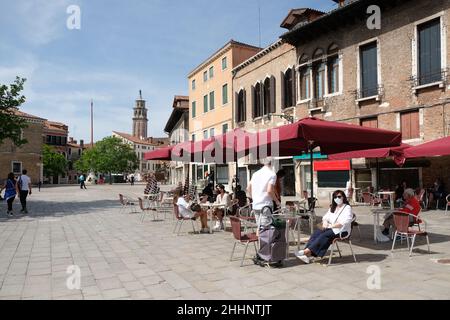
x=120, y=257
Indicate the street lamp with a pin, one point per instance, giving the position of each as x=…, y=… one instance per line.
x=289, y=118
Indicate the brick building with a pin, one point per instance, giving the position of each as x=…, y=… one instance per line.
x=394, y=78
x=29, y=156
x=56, y=134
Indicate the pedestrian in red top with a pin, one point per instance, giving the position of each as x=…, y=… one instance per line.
x=411, y=206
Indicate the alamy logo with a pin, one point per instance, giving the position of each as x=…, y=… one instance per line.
x=74, y=20
x=73, y=282
x=374, y=280
x=374, y=21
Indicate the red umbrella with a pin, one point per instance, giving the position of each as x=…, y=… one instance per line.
x=395, y=152
x=309, y=133
x=190, y=151
x=224, y=147
x=440, y=147
x=160, y=154
x=332, y=137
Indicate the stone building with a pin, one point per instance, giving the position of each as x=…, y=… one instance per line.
x=393, y=78
x=29, y=156
x=74, y=153
x=56, y=134
x=177, y=127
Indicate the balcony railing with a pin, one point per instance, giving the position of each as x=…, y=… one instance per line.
x=430, y=78
x=368, y=92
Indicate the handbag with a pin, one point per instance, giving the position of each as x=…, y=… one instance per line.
x=195, y=207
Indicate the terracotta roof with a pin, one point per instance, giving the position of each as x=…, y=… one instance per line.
x=295, y=15
x=219, y=52
x=181, y=102
x=56, y=127
x=147, y=141
x=27, y=115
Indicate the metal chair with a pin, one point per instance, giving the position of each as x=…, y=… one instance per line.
x=422, y=198
x=347, y=239
x=402, y=225
x=180, y=219
x=246, y=215
x=242, y=238
x=126, y=202
x=308, y=214
x=147, y=210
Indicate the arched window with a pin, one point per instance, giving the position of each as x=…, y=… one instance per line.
x=333, y=69
x=241, y=106
x=303, y=59
x=257, y=100
x=267, y=91
x=288, y=89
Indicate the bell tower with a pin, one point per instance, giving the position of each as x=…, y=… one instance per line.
x=140, y=120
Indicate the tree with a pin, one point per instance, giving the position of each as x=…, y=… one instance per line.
x=54, y=163
x=11, y=125
x=109, y=156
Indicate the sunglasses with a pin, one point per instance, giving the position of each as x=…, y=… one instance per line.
x=339, y=197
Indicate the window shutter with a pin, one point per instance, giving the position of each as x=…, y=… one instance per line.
x=253, y=102
x=369, y=70
x=273, y=103
x=244, y=107
x=430, y=52
x=294, y=87
x=415, y=128
x=283, y=90
x=237, y=109
x=406, y=126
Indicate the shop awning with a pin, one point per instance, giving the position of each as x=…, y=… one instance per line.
x=440, y=147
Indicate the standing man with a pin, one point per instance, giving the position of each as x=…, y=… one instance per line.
x=82, y=182
x=132, y=179
x=23, y=189
x=262, y=191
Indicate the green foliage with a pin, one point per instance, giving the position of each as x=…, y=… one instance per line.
x=54, y=163
x=110, y=155
x=10, y=124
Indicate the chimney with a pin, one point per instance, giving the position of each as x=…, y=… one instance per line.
x=81, y=143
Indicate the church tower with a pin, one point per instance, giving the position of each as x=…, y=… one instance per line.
x=140, y=120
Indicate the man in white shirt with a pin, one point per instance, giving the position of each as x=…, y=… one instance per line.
x=262, y=191
x=186, y=212
x=23, y=189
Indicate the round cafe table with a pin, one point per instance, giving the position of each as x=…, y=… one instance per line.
x=207, y=206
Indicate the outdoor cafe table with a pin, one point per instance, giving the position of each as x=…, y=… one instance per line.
x=376, y=220
x=208, y=205
x=391, y=195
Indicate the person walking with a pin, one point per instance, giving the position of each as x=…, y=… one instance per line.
x=23, y=190
x=132, y=179
x=82, y=182
x=39, y=185
x=10, y=192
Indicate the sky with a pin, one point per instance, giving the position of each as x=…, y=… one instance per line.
x=123, y=47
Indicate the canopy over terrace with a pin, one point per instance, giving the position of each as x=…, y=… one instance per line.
x=307, y=134
x=439, y=147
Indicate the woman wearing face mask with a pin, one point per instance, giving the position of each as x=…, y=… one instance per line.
x=336, y=223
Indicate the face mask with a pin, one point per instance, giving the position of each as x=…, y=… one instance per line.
x=339, y=201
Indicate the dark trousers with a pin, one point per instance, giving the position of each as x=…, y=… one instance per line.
x=23, y=199
x=321, y=240
x=10, y=202
x=82, y=185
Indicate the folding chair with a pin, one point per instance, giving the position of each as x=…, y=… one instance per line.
x=126, y=202
x=347, y=239
x=147, y=210
x=180, y=219
x=402, y=226
x=242, y=238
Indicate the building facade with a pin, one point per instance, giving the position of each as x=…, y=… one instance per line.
x=394, y=78
x=177, y=127
x=74, y=152
x=211, y=101
x=29, y=156
x=140, y=120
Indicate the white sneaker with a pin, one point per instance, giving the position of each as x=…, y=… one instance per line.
x=305, y=259
x=300, y=253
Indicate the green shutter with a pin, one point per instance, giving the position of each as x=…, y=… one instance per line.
x=211, y=101
x=225, y=94
x=194, y=111
x=205, y=104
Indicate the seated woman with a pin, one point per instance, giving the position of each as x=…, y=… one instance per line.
x=186, y=212
x=239, y=199
x=336, y=223
x=411, y=206
x=209, y=192
x=223, y=198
